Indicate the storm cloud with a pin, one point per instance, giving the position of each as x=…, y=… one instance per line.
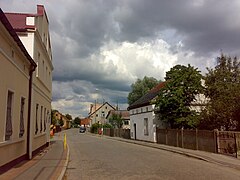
x=100, y=47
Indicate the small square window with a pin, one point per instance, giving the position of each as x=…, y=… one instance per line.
x=13, y=54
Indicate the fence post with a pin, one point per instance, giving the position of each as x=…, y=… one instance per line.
x=196, y=139
x=166, y=131
x=182, y=137
x=177, y=139
x=216, y=137
x=236, y=148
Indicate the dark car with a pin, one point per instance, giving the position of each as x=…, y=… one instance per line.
x=82, y=129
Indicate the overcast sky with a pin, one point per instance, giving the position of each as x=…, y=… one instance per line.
x=100, y=47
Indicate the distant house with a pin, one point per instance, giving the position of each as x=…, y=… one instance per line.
x=98, y=112
x=143, y=120
x=124, y=115
x=16, y=73
x=61, y=117
x=85, y=122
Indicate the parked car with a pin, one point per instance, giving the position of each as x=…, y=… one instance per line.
x=82, y=129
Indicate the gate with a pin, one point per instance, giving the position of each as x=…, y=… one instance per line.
x=228, y=143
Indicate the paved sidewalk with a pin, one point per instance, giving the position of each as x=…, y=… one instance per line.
x=51, y=163
x=219, y=159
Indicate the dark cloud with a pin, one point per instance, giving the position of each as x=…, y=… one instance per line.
x=80, y=30
x=205, y=26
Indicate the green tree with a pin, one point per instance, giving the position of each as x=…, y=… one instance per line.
x=140, y=88
x=222, y=88
x=94, y=128
x=116, y=120
x=53, y=117
x=61, y=123
x=76, y=120
x=68, y=116
x=175, y=98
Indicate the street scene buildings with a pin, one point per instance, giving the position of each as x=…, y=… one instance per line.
x=184, y=124
x=26, y=85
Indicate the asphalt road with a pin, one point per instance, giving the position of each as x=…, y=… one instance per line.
x=94, y=157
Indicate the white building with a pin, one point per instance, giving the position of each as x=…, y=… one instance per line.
x=143, y=121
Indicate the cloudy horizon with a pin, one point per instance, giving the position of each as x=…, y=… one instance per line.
x=101, y=47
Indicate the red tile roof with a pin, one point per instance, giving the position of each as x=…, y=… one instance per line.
x=15, y=37
x=18, y=20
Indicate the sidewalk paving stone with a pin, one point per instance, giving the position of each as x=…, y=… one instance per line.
x=48, y=164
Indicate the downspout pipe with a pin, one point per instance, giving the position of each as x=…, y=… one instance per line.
x=29, y=154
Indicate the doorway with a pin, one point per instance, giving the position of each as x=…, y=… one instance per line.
x=135, y=131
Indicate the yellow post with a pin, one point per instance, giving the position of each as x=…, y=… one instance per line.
x=65, y=141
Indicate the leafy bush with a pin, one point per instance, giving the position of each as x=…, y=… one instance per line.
x=107, y=126
x=94, y=128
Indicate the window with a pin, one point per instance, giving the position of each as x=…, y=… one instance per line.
x=43, y=69
x=103, y=114
x=41, y=128
x=45, y=119
x=8, y=132
x=38, y=62
x=44, y=37
x=126, y=122
x=146, y=126
x=106, y=107
x=46, y=72
x=36, y=125
x=21, y=132
x=48, y=117
x=146, y=109
x=13, y=54
x=37, y=71
x=39, y=56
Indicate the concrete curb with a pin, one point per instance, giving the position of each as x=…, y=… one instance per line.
x=60, y=177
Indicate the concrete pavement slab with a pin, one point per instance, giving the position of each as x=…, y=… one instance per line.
x=49, y=164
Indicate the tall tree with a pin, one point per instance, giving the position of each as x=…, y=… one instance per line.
x=174, y=100
x=53, y=117
x=222, y=89
x=68, y=116
x=116, y=120
x=140, y=88
x=76, y=120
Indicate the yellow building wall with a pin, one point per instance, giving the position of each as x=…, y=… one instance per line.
x=14, y=75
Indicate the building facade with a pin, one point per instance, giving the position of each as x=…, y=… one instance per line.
x=143, y=120
x=98, y=112
x=60, y=117
x=33, y=31
x=16, y=72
